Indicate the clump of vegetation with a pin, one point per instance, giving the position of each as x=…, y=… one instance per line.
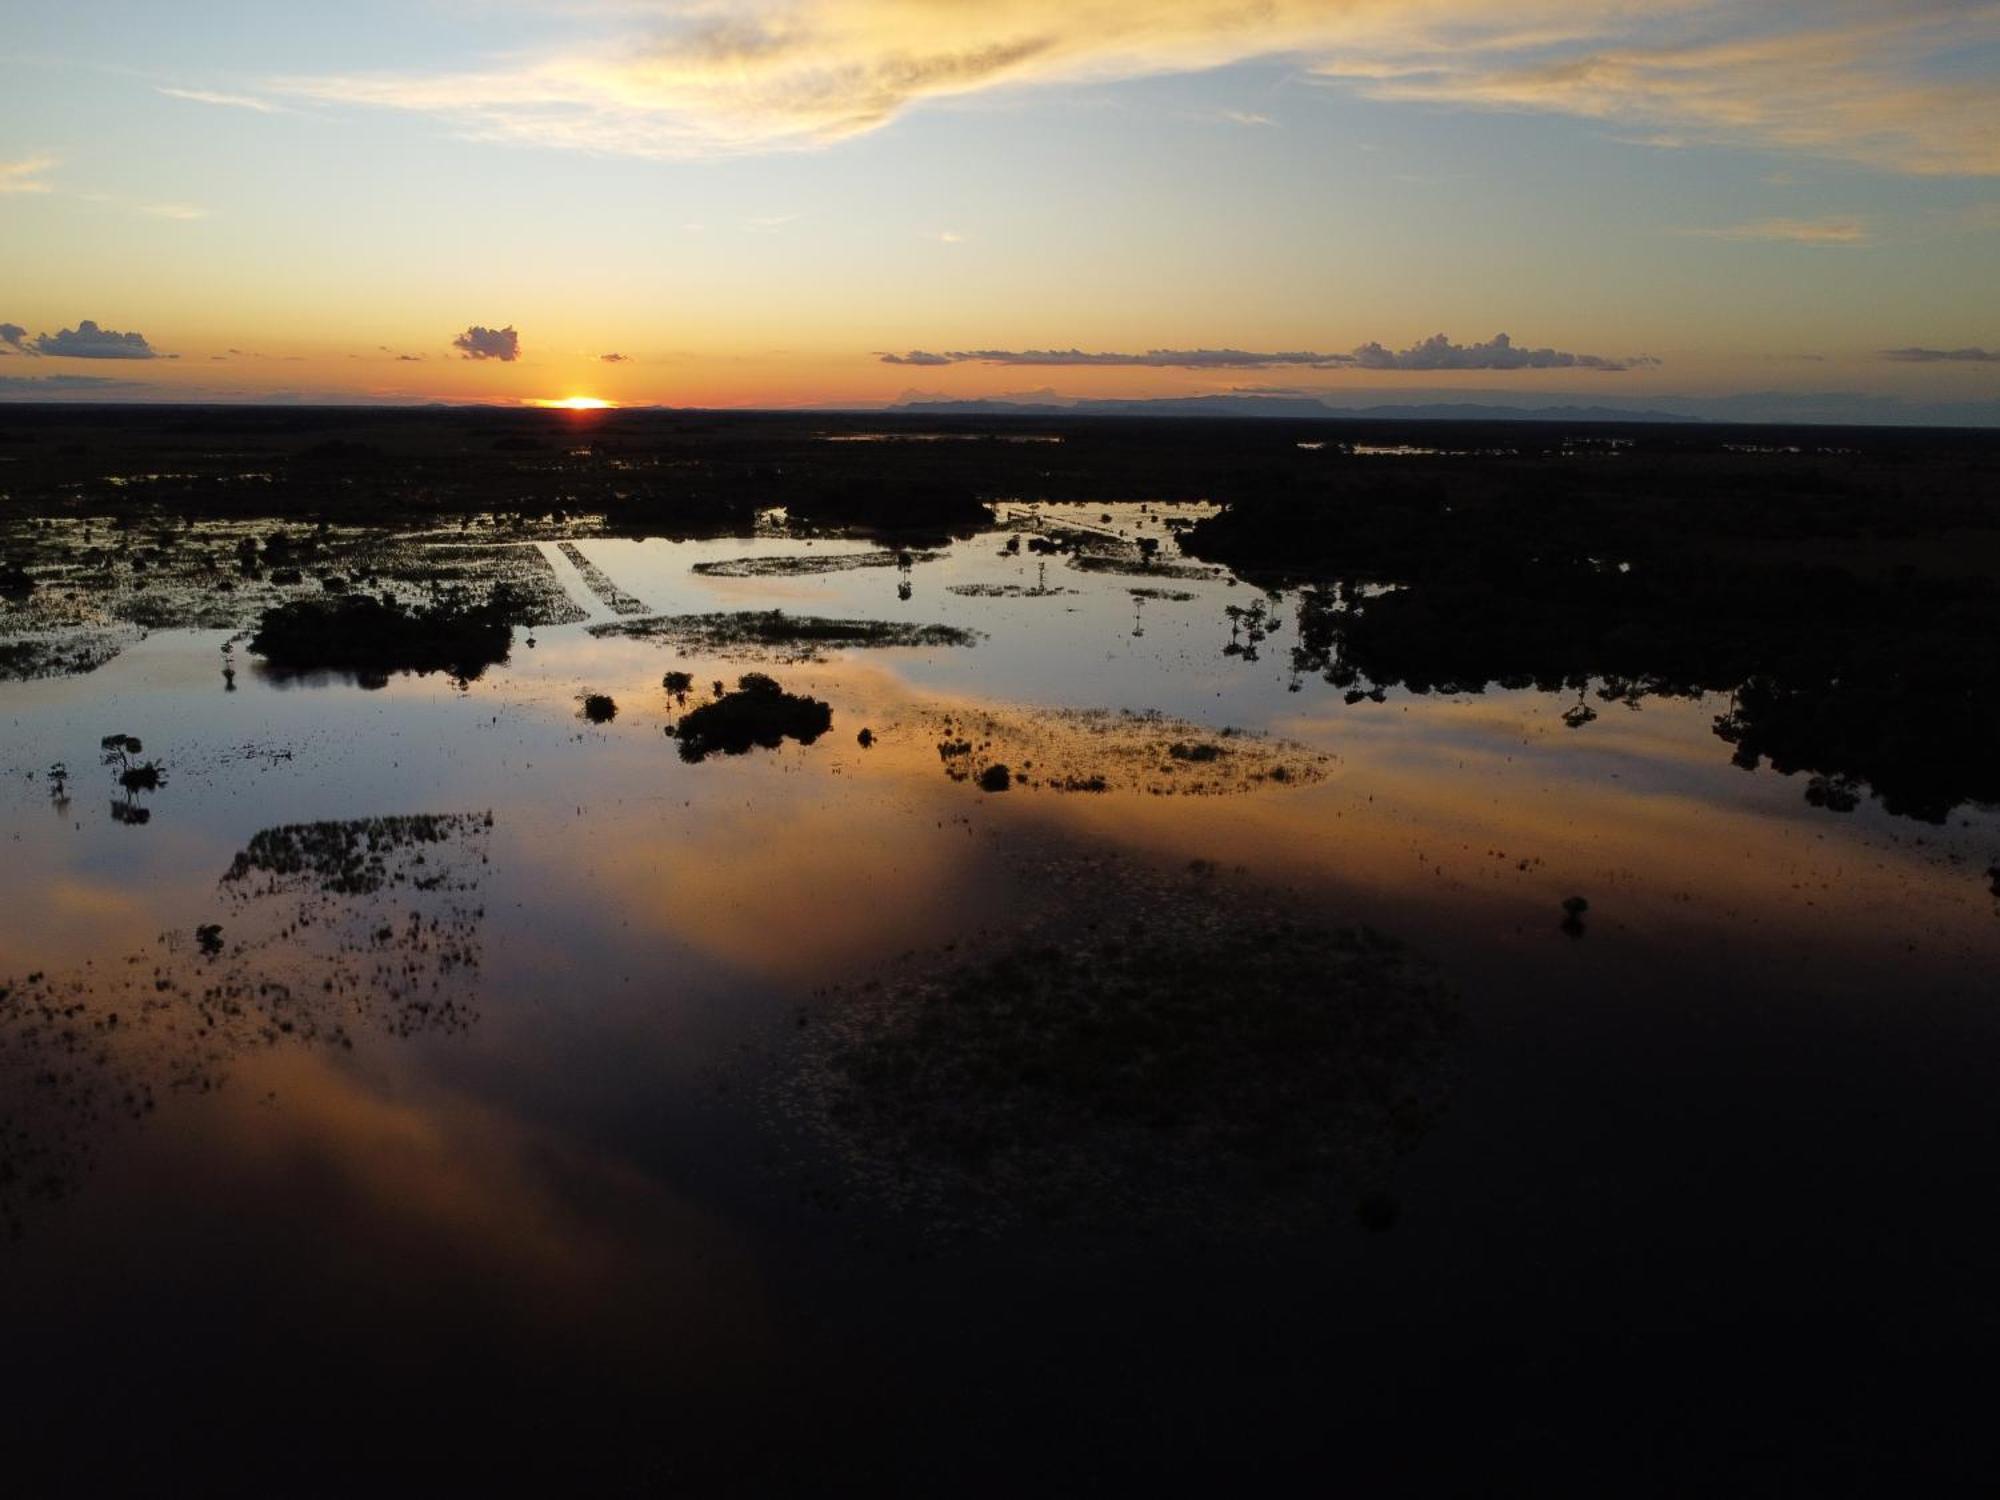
x=758, y=713
x=679, y=684
x=1573, y=909
x=600, y=582
x=354, y=858
x=776, y=634
x=1006, y=590
x=372, y=637
x=599, y=708
x=804, y=566
x=132, y=777
x=1095, y=750
x=208, y=938
x=995, y=778
x=24, y=659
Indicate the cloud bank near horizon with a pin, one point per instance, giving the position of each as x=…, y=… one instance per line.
x=1905, y=89
x=1921, y=356
x=1432, y=354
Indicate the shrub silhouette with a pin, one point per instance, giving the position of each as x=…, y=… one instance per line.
x=758, y=713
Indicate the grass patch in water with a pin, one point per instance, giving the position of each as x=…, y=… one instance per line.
x=774, y=633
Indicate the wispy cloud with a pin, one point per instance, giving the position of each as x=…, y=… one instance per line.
x=1435, y=353
x=11, y=339
x=1907, y=87
x=1825, y=231
x=227, y=101
x=1919, y=356
x=182, y=211
x=25, y=175
x=615, y=359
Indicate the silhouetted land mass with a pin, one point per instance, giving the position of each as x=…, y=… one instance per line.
x=1843, y=584
x=1847, y=600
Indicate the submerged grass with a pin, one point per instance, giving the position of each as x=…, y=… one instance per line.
x=806, y=566
x=775, y=634
x=1158, y=1048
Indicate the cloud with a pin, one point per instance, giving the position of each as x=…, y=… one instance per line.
x=1434, y=353
x=183, y=211
x=1153, y=359
x=11, y=336
x=1943, y=356
x=1908, y=87
x=24, y=176
x=615, y=359
x=230, y=101
x=1498, y=353
x=1829, y=231
x=489, y=343
x=88, y=341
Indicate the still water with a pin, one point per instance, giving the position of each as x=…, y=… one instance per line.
x=502, y=1185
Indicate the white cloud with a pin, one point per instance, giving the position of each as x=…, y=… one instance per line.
x=1908, y=87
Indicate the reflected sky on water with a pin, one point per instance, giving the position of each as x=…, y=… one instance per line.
x=1773, y=1041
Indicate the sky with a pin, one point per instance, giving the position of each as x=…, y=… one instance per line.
x=816, y=202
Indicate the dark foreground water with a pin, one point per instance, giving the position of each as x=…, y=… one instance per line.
x=485, y=1166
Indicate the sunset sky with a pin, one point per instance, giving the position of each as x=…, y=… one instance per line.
x=752, y=202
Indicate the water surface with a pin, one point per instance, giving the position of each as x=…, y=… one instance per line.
x=558, y=1226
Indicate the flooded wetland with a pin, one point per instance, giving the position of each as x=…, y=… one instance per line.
x=635, y=950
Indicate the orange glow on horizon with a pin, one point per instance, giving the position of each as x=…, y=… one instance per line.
x=571, y=403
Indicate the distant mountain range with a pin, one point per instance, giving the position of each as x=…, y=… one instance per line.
x=1835, y=408
x=1292, y=408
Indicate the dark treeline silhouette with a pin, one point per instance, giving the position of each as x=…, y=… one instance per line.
x=690, y=472
x=1848, y=601
x=371, y=637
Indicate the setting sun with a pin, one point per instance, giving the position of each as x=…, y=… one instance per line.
x=573, y=403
